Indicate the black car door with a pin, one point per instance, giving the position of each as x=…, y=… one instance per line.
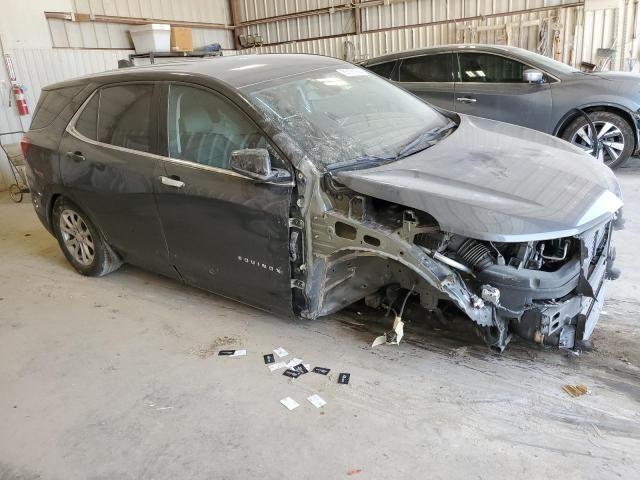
x=492, y=86
x=226, y=233
x=109, y=168
x=430, y=77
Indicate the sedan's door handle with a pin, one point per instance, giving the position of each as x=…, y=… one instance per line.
x=172, y=182
x=76, y=156
x=466, y=100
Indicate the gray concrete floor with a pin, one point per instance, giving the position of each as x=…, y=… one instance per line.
x=118, y=378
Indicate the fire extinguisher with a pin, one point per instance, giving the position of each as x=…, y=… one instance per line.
x=21, y=103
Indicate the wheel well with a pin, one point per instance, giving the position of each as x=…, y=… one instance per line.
x=52, y=202
x=598, y=108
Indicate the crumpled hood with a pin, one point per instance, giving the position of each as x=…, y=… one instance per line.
x=495, y=181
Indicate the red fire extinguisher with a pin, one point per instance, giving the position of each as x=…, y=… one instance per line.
x=21, y=103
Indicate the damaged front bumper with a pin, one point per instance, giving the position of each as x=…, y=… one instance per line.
x=356, y=256
x=562, y=307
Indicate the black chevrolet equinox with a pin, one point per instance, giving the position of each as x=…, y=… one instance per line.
x=301, y=184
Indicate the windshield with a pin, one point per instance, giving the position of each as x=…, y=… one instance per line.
x=340, y=114
x=545, y=62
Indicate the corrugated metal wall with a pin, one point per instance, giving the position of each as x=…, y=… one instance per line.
x=581, y=31
x=114, y=35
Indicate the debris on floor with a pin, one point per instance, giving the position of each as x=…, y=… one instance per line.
x=290, y=403
x=280, y=352
x=459, y=352
x=576, y=390
x=268, y=358
x=343, y=378
x=276, y=366
x=354, y=471
x=232, y=353
x=393, y=337
x=321, y=370
x=289, y=372
x=301, y=369
x=316, y=400
x=292, y=363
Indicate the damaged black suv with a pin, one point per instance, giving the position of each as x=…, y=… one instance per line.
x=301, y=184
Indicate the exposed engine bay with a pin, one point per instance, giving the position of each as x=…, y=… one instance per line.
x=546, y=291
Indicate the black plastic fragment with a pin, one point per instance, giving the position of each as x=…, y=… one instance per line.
x=291, y=373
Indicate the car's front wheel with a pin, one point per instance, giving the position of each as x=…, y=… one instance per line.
x=615, y=137
x=81, y=242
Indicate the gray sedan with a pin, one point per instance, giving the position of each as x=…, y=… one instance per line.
x=521, y=87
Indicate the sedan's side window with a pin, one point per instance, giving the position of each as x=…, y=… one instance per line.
x=204, y=128
x=125, y=116
x=487, y=68
x=383, y=69
x=427, y=68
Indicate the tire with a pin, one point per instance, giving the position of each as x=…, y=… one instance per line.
x=619, y=137
x=81, y=242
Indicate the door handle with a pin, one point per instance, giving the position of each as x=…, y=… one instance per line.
x=173, y=181
x=76, y=156
x=466, y=100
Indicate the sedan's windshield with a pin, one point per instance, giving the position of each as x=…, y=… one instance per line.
x=338, y=115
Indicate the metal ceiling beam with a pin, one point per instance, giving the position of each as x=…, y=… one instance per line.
x=86, y=17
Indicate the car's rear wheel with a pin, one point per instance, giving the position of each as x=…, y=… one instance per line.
x=616, y=139
x=81, y=242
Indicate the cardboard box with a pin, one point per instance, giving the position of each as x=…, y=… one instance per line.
x=181, y=39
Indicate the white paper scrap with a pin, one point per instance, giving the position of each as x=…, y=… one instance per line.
x=307, y=366
x=281, y=352
x=352, y=72
x=290, y=403
x=276, y=366
x=239, y=353
x=398, y=329
x=317, y=401
x=293, y=362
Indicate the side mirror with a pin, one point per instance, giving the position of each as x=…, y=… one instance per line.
x=532, y=76
x=255, y=163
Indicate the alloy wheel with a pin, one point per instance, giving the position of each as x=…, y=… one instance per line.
x=77, y=237
x=610, y=144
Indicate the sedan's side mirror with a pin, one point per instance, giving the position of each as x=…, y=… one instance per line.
x=255, y=163
x=531, y=75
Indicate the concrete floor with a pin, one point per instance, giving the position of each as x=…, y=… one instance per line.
x=118, y=378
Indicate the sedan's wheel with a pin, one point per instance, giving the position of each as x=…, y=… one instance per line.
x=615, y=137
x=81, y=242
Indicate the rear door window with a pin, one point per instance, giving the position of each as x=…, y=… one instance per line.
x=87, y=123
x=125, y=116
x=427, y=68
